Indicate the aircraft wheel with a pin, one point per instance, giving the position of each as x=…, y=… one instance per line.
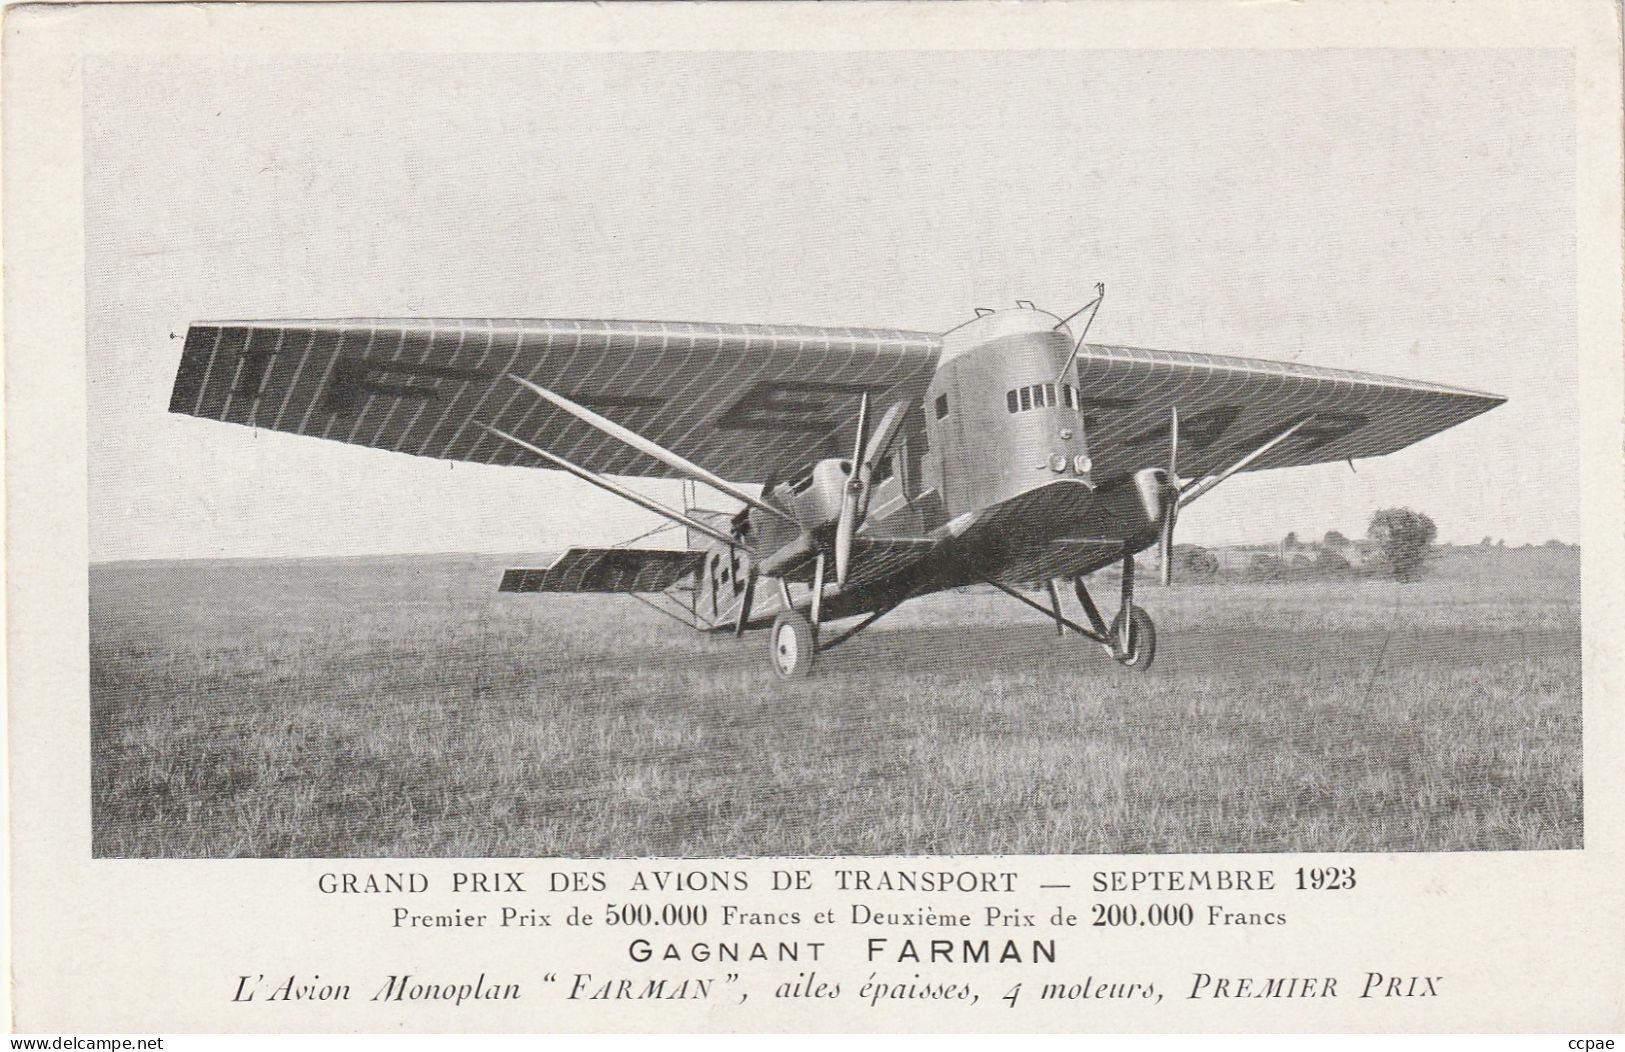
x=794, y=647
x=1141, y=645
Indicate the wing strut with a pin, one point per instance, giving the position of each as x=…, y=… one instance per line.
x=614, y=487
x=1196, y=489
x=650, y=449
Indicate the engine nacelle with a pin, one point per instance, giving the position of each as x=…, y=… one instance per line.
x=814, y=494
x=1150, y=485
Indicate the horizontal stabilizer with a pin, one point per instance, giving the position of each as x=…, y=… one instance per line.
x=607, y=570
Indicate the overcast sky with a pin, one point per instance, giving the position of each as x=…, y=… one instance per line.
x=1402, y=212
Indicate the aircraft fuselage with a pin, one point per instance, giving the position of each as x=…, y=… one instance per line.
x=993, y=463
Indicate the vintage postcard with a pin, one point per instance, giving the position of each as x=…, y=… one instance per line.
x=1022, y=517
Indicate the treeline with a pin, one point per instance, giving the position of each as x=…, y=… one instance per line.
x=1398, y=544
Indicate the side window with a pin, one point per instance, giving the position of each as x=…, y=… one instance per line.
x=942, y=406
x=1039, y=396
x=883, y=470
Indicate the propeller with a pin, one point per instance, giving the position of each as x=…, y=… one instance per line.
x=857, y=492
x=867, y=453
x=1170, y=500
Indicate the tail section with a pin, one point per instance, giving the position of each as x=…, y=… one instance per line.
x=607, y=570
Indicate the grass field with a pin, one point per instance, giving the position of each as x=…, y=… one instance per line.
x=401, y=707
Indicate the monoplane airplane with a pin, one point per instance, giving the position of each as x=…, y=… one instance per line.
x=1008, y=450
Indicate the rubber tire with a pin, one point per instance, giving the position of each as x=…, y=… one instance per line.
x=1143, y=635
x=792, y=646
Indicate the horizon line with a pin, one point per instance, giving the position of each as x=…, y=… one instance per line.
x=464, y=552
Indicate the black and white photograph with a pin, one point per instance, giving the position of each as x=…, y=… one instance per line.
x=738, y=454
x=883, y=518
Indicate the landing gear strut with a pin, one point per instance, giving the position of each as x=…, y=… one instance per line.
x=794, y=639
x=1131, y=639
x=1133, y=636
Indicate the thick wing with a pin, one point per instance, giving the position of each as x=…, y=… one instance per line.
x=1068, y=557
x=606, y=570
x=1230, y=406
x=744, y=401
x=874, y=559
x=872, y=580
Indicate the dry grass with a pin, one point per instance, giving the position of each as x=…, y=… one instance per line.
x=403, y=708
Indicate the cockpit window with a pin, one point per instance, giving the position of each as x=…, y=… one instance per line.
x=1040, y=396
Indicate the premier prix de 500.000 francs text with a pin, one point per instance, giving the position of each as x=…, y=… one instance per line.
x=728, y=934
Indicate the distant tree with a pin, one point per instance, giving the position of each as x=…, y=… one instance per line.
x=1291, y=540
x=1555, y=543
x=1334, y=539
x=1486, y=542
x=1502, y=543
x=1265, y=568
x=1192, y=562
x=1403, y=537
x=1330, y=562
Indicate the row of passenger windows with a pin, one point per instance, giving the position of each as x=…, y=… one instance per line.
x=1033, y=396
x=1037, y=396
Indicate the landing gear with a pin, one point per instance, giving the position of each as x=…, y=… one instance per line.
x=1133, y=637
x=1131, y=642
x=794, y=645
x=1134, y=644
